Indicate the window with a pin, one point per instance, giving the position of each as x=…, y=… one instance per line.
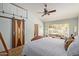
x=60, y=29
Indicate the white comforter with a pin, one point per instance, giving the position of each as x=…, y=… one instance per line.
x=46, y=47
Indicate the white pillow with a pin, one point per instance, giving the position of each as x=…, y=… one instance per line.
x=73, y=49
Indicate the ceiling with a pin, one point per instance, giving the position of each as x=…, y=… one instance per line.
x=63, y=10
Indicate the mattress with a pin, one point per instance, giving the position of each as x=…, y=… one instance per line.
x=46, y=47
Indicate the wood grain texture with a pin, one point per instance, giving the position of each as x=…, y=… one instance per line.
x=35, y=30
x=17, y=32
x=3, y=42
x=13, y=52
x=16, y=51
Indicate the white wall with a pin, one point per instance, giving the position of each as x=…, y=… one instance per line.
x=6, y=27
x=30, y=26
x=78, y=25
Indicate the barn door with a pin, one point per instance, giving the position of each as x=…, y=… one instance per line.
x=35, y=29
x=3, y=42
x=17, y=32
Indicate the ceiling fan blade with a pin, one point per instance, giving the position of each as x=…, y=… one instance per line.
x=43, y=14
x=48, y=13
x=40, y=12
x=52, y=11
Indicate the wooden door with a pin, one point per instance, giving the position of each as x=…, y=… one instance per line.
x=35, y=29
x=3, y=42
x=17, y=32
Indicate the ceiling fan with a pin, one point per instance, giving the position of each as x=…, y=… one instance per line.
x=46, y=12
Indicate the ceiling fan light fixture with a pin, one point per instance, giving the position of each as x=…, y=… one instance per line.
x=47, y=12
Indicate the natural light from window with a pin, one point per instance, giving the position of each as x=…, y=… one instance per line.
x=60, y=29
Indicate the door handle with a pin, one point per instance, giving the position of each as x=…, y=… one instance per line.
x=14, y=33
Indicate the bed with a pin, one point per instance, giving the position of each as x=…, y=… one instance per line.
x=46, y=47
x=50, y=47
